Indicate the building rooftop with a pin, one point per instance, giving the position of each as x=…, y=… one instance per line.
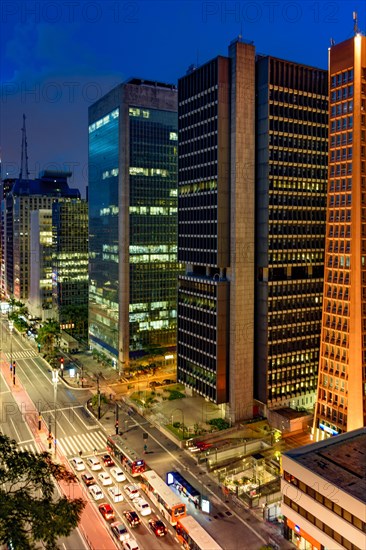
x=341, y=460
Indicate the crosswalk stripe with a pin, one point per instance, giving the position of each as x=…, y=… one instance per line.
x=25, y=354
x=72, y=444
x=98, y=438
x=29, y=448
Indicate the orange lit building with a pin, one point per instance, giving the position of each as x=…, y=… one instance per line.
x=341, y=398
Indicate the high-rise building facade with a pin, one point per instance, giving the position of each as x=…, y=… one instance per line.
x=133, y=140
x=216, y=109
x=341, y=397
x=25, y=196
x=40, y=273
x=291, y=181
x=70, y=253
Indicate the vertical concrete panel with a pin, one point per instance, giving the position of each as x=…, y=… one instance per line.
x=242, y=207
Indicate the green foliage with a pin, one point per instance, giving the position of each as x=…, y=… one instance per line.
x=31, y=511
x=174, y=394
x=47, y=334
x=176, y=425
x=219, y=423
x=103, y=399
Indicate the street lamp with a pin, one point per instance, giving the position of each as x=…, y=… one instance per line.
x=55, y=381
x=181, y=410
x=12, y=366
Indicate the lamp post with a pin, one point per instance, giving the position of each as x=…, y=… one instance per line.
x=55, y=382
x=98, y=393
x=181, y=410
x=12, y=366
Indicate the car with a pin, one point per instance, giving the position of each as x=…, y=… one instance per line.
x=108, y=461
x=106, y=510
x=115, y=493
x=157, y=527
x=96, y=492
x=77, y=464
x=88, y=479
x=132, y=491
x=142, y=506
x=105, y=478
x=94, y=463
x=119, y=530
x=118, y=474
x=130, y=544
x=132, y=517
x=167, y=381
x=154, y=384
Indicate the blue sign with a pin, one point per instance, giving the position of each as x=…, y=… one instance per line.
x=328, y=429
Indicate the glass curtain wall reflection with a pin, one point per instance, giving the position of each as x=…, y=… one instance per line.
x=103, y=233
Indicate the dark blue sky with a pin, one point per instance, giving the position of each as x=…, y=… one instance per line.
x=57, y=57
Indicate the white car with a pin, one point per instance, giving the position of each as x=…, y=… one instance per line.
x=115, y=493
x=78, y=464
x=120, y=531
x=142, y=506
x=130, y=544
x=94, y=463
x=105, y=478
x=118, y=474
x=96, y=492
x=132, y=491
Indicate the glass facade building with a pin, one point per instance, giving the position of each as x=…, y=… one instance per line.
x=133, y=220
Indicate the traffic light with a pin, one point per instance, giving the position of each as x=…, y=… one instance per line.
x=39, y=421
x=49, y=439
x=116, y=426
x=62, y=366
x=62, y=361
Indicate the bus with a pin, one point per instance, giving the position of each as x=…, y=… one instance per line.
x=192, y=536
x=169, y=504
x=117, y=447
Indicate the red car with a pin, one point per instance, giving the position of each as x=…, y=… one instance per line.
x=157, y=527
x=88, y=480
x=108, y=461
x=106, y=510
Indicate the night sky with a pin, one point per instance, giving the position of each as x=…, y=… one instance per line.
x=57, y=57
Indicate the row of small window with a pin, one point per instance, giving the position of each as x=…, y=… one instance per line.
x=298, y=128
x=341, y=169
x=301, y=99
x=298, y=171
x=291, y=142
x=341, y=108
x=336, y=246
x=341, y=78
x=339, y=261
x=342, y=93
x=341, y=139
x=291, y=114
x=303, y=288
x=296, y=157
x=292, y=346
x=339, y=200
x=204, y=206
x=190, y=174
x=286, y=320
x=293, y=360
x=341, y=154
x=292, y=374
x=294, y=257
x=289, y=199
x=201, y=387
x=309, y=229
x=295, y=302
x=324, y=527
x=311, y=329
x=288, y=244
x=283, y=391
x=334, y=384
x=187, y=359
x=341, y=124
x=344, y=184
x=339, y=216
x=333, y=416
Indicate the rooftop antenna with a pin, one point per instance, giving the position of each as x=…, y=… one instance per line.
x=24, y=160
x=355, y=23
x=332, y=41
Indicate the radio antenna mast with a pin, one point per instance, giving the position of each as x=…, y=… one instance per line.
x=24, y=160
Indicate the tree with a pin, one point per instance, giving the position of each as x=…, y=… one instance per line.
x=31, y=511
x=47, y=333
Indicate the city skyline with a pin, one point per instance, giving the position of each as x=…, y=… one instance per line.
x=53, y=68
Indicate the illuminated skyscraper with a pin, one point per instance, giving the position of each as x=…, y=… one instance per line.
x=216, y=230
x=291, y=182
x=341, y=397
x=133, y=141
